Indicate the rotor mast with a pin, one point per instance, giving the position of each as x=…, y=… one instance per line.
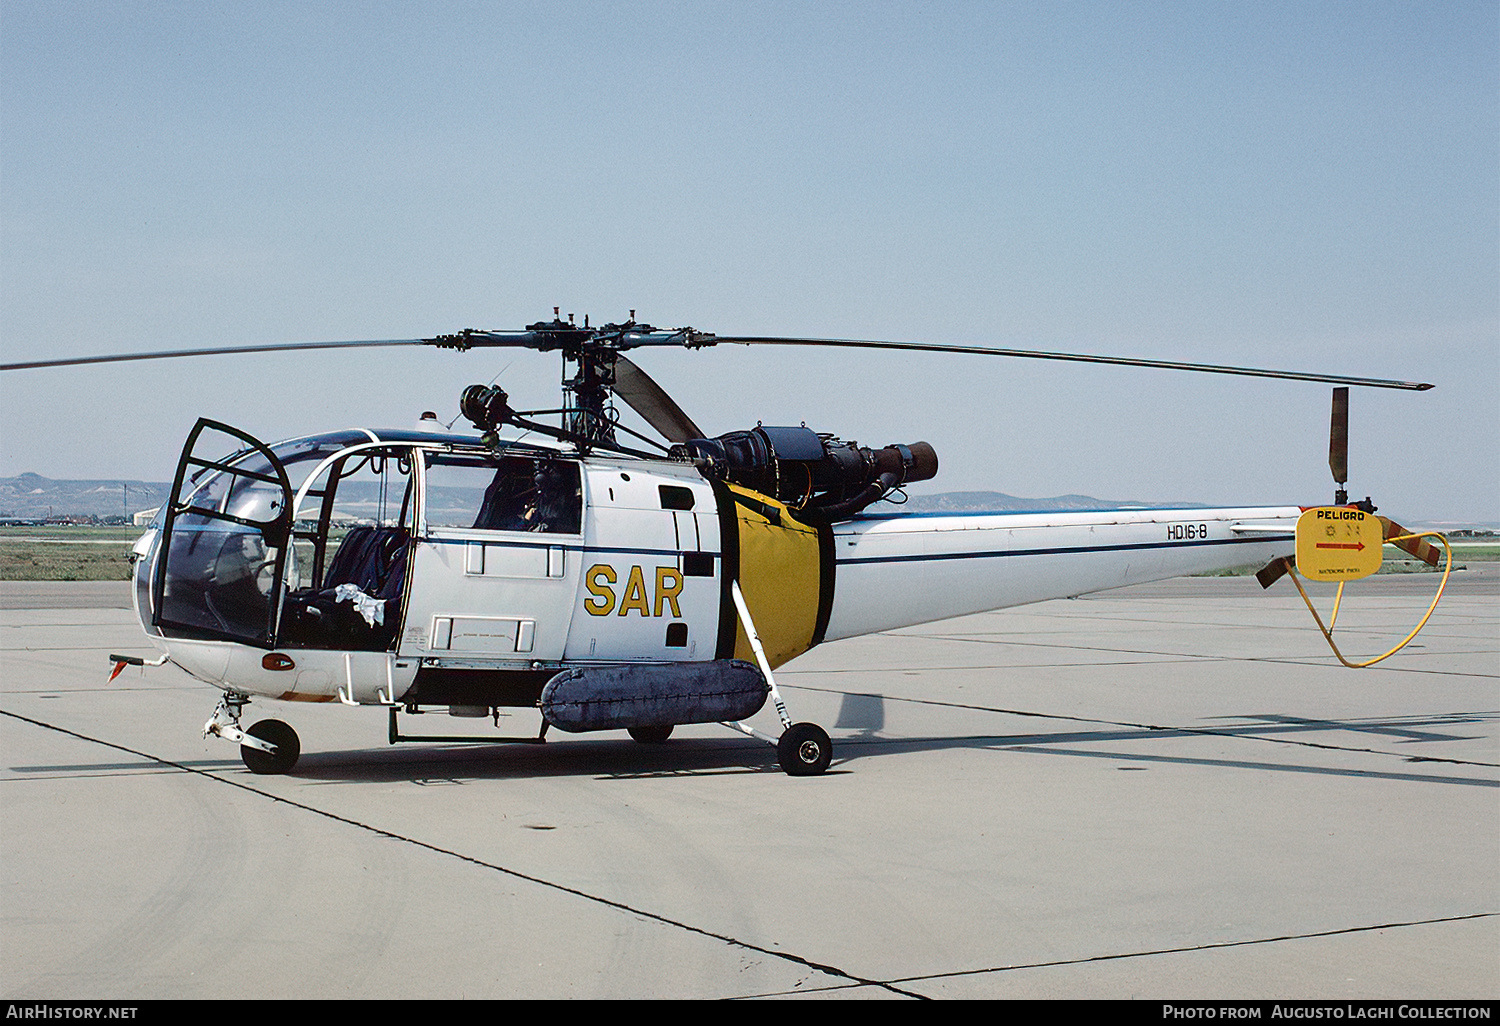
x=592, y=362
x=588, y=411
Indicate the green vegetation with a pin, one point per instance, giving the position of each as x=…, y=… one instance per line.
x=1478, y=552
x=1397, y=561
x=66, y=553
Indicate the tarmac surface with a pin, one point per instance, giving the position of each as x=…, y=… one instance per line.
x=1170, y=791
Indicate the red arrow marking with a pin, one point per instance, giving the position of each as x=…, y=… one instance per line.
x=1341, y=545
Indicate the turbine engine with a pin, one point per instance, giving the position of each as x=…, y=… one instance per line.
x=822, y=478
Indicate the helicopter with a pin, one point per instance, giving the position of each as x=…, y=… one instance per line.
x=623, y=584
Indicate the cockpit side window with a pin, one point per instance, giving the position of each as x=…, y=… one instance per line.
x=508, y=493
x=509, y=502
x=367, y=488
x=559, y=497
x=352, y=544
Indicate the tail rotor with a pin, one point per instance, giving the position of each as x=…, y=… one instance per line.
x=1338, y=443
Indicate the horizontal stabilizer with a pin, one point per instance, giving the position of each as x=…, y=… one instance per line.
x=1273, y=571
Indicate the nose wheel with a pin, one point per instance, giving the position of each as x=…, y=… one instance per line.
x=270, y=746
x=285, y=748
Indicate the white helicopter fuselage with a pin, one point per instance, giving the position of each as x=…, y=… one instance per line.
x=478, y=609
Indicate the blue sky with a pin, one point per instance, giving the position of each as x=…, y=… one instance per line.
x=1304, y=185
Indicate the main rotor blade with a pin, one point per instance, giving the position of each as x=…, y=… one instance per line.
x=567, y=335
x=1124, y=361
x=643, y=395
x=218, y=351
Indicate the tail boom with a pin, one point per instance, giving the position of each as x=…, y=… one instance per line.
x=907, y=569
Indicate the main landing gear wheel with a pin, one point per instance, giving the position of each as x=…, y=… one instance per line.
x=288, y=748
x=804, y=750
x=651, y=735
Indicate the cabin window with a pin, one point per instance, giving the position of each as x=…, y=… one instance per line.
x=675, y=497
x=507, y=493
x=369, y=488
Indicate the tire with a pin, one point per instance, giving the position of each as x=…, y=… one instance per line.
x=804, y=750
x=653, y=735
x=288, y=748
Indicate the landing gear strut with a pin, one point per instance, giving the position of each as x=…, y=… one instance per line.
x=804, y=749
x=270, y=746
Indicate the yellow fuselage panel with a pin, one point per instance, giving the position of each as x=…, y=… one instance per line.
x=780, y=576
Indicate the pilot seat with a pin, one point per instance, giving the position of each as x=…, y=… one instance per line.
x=358, y=606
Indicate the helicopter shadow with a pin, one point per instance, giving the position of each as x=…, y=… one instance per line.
x=867, y=715
x=860, y=720
x=572, y=755
x=437, y=764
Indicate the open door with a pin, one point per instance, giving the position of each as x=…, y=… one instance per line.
x=225, y=537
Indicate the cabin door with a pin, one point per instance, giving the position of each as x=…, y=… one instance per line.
x=225, y=537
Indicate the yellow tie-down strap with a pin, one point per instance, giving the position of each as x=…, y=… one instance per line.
x=781, y=576
x=1343, y=544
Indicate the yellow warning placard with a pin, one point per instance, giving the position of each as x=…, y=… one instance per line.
x=1336, y=543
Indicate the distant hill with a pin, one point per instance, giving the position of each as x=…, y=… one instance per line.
x=32, y=496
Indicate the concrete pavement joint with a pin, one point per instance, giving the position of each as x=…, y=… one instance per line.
x=1322, y=661
x=608, y=902
x=1185, y=949
x=1210, y=946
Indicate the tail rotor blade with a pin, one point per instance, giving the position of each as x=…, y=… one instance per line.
x=1338, y=438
